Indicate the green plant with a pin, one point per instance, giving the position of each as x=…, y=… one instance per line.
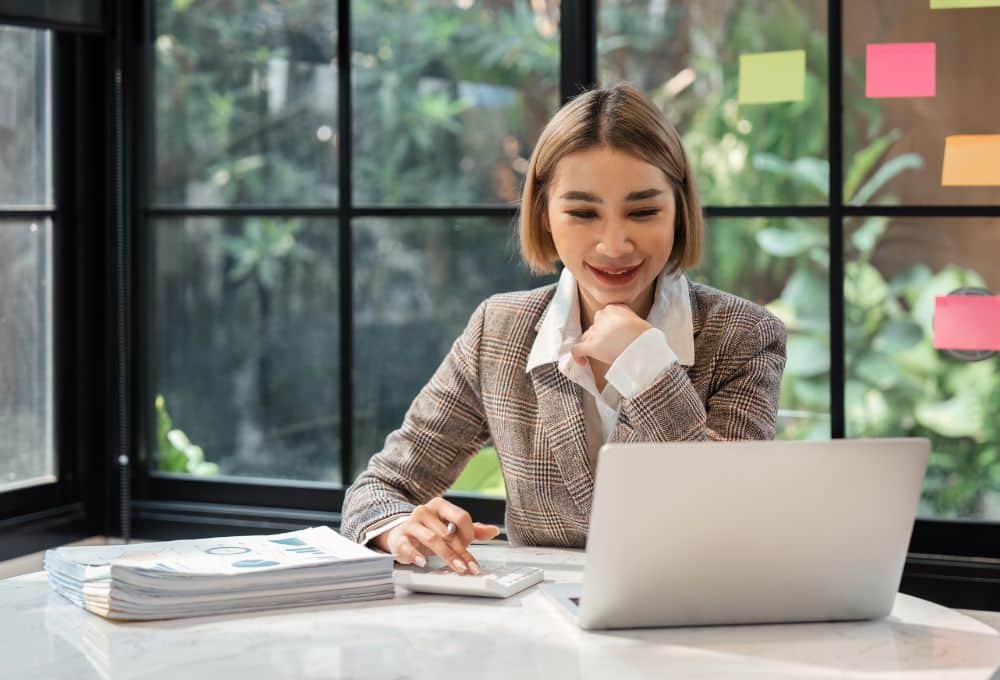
x=174, y=451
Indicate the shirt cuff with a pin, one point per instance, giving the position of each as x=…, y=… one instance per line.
x=380, y=528
x=638, y=366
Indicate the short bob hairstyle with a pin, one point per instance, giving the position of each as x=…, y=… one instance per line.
x=623, y=118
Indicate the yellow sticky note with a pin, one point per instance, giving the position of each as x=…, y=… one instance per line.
x=963, y=4
x=971, y=161
x=771, y=77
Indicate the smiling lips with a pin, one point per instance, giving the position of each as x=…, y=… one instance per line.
x=616, y=276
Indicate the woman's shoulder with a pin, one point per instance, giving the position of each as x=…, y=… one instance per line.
x=516, y=309
x=715, y=311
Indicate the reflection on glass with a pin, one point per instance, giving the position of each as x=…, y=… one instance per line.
x=894, y=147
x=783, y=264
x=416, y=284
x=685, y=55
x=246, y=359
x=246, y=102
x=25, y=117
x=898, y=384
x=26, y=415
x=449, y=97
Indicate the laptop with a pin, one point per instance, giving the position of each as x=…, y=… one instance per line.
x=706, y=533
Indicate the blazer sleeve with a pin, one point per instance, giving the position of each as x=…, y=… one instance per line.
x=442, y=429
x=743, y=405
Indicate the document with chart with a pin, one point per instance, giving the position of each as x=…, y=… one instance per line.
x=219, y=575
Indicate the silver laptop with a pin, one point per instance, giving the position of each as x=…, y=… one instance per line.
x=688, y=534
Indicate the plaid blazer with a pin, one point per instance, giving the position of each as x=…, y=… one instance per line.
x=481, y=392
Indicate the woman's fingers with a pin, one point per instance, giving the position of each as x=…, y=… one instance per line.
x=463, y=533
x=441, y=547
x=449, y=512
x=407, y=553
x=484, y=532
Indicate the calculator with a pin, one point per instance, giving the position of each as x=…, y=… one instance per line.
x=492, y=581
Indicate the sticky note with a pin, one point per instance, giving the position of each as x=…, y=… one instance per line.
x=969, y=322
x=901, y=70
x=963, y=4
x=770, y=77
x=971, y=161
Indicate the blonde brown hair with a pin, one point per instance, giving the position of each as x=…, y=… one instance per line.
x=625, y=119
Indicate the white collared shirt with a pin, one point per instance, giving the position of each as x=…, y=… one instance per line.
x=670, y=340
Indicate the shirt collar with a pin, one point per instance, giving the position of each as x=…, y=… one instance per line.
x=560, y=326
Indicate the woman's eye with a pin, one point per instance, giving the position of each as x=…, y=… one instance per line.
x=645, y=213
x=583, y=214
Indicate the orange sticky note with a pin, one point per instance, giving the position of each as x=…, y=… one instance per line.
x=971, y=161
x=969, y=322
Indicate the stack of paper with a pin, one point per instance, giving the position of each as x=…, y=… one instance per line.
x=219, y=575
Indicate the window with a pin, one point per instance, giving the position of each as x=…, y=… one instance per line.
x=449, y=98
x=246, y=347
x=769, y=162
x=267, y=279
x=245, y=103
x=27, y=452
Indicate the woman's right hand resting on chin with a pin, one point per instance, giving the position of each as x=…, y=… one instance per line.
x=425, y=533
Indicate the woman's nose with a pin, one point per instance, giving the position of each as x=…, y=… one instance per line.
x=615, y=241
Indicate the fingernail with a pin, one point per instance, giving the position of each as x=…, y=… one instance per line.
x=459, y=565
x=421, y=561
x=474, y=568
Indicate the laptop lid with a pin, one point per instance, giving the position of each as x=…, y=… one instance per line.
x=749, y=532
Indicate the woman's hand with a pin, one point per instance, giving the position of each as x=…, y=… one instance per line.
x=615, y=327
x=425, y=533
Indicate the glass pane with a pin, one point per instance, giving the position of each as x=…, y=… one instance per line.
x=25, y=117
x=245, y=358
x=416, y=282
x=246, y=102
x=449, y=97
x=931, y=74
x=26, y=414
x=686, y=55
x=898, y=384
x=783, y=264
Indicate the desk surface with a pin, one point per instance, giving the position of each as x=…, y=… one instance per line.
x=432, y=636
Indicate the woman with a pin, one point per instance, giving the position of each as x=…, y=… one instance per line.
x=623, y=348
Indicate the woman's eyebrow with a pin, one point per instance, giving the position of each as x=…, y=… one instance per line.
x=644, y=194
x=634, y=196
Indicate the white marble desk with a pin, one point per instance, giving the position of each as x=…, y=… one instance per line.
x=439, y=637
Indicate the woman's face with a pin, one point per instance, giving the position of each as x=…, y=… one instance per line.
x=611, y=216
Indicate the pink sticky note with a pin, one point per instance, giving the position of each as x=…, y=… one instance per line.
x=970, y=322
x=901, y=70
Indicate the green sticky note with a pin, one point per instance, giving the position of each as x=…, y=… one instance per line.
x=963, y=4
x=770, y=77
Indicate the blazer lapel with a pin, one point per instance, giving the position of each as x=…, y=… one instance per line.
x=560, y=409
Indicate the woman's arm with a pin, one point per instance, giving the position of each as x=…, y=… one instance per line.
x=744, y=405
x=444, y=426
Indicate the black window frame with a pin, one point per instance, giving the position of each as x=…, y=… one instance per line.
x=106, y=485
x=74, y=506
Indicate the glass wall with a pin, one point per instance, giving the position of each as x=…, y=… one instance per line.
x=447, y=100
x=247, y=330
x=27, y=455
